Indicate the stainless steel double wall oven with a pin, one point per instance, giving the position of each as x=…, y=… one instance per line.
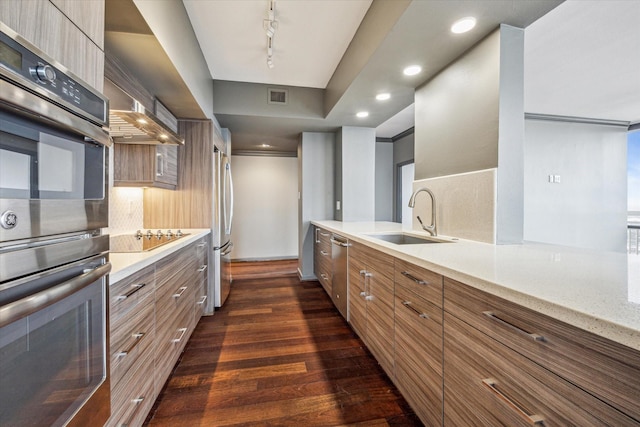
x=53, y=257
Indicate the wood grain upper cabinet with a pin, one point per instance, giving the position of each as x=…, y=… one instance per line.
x=59, y=28
x=418, y=340
x=145, y=166
x=371, y=288
x=508, y=365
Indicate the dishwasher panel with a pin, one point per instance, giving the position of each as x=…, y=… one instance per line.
x=339, y=294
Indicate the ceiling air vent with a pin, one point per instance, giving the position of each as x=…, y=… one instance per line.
x=278, y=96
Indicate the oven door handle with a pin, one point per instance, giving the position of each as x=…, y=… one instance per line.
x=18, y=309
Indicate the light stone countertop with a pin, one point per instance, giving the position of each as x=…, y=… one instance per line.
x=125, y=264
x=595, y=291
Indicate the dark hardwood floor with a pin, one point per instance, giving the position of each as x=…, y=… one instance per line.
x=278, y=354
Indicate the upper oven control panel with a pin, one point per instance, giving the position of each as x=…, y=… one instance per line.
x=23, y=64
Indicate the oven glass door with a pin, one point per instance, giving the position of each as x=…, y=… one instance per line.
x=52, y=360
x=39, y=162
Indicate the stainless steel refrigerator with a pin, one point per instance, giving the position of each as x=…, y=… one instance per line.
x=220, y=283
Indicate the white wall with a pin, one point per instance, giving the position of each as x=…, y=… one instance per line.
x=355, y=174
x=316, y=186
x=384, y=181
x=588, y=207
x=265, y=223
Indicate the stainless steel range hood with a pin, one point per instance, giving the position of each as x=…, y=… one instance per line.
x=131, y=123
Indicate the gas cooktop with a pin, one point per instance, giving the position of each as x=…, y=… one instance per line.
x=143, y=242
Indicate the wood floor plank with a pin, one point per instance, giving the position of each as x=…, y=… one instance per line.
x=278, y=354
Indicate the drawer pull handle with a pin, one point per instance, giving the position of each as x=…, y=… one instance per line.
x=493, y=316
x=324, y=253
x=201, y=269
x=324, y=234
x=137, y=401
x=339, y=243
x=182, y=332
x=363, y=294
x=135, y=288
x=416, y=311
x=532, y=419
x=365, y=273
x=324, y=276
x=203, y=298
x=138, y=337
x=180, y=292
x=202, y=245
x=414, y=278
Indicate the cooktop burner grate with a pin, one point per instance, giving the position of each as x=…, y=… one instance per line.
x=141, y=242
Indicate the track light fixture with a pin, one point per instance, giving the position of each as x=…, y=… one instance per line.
x=270, y=25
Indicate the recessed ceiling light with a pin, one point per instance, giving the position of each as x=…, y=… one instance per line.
x=383, y=96
x=412, y=70
x=463, y=25
x=362, y=114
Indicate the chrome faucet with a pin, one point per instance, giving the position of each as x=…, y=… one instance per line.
x=431, y=229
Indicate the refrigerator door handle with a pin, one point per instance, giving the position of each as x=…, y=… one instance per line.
x=228, y=186
x=227, y=249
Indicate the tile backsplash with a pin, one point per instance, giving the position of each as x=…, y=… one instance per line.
x=465, y=205
x=126, y=211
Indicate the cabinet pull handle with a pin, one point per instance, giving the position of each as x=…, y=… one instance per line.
x=324, y=234
x=201, y=269
x=138, y=337
x=135, y=289
x=159, y=164
x=317, y=238
x=180, y=292
x=532, y=419
x=137, y=401
x=203, y=298
x=324, y=253
x=414, y=278
x=533, y=336
x=182, y=332
x=416, y=311
x=202, y=245
x=324, y=276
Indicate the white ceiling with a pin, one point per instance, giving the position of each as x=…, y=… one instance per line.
x=583, y=59
x=309, y=42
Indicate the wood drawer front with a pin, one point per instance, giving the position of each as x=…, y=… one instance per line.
x=488, y=384
x=127, y=293
x=323, y=238
x=418, y=354
x=418, y=330
x=420, y=281
x=423, y=391
x=380, y=324
x=374, y=260
x=171, y=342
x=172, y=267
x=131, y=337
x=133, y=397
x=605, y=369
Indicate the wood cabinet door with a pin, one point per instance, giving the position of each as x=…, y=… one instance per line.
x=167, y=165
x=380, y=326
x=357, y=294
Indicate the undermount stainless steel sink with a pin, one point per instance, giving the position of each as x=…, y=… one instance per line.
x=406, y=239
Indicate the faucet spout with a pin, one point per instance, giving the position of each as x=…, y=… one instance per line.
x=431, y=229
